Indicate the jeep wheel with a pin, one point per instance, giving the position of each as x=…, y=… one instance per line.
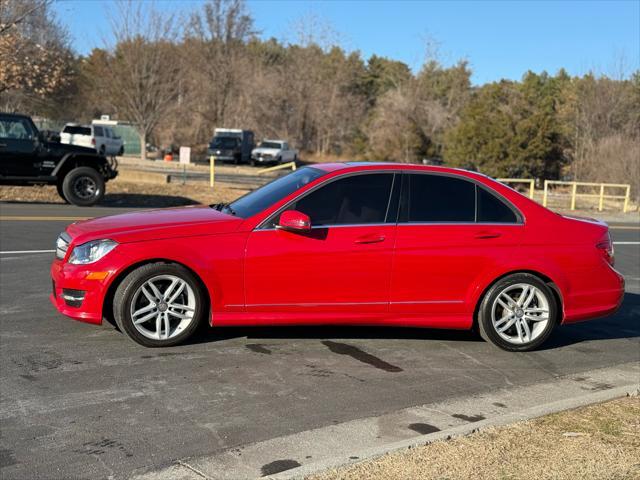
x=83, y=186
x=60, y=192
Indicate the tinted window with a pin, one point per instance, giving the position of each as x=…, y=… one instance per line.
x=16, y=129
x=491, y=209
x=77, y=130
x=97, y=131
x=438, y=198
x=357, y=199
x=256, y=201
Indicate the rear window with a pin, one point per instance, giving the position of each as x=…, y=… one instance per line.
x=438, y=198
x=493, y=210
x=77, y=130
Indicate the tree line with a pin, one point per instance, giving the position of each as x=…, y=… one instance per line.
x=177, y=79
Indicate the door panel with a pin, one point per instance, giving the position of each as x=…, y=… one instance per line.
x=436, y=266
x=336, y=269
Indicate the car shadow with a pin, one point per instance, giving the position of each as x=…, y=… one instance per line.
x=624, y=324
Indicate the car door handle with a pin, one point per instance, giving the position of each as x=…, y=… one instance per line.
x=488, y=234
x=3, y=145
x=371, y=239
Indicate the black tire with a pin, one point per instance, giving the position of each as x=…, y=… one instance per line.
x=486, y=327
x=83, y=186
x=60, y=192
x=121, y=151
x=125, y=295
x=102, y=150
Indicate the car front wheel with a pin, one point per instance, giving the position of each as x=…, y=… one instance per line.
x=518, y=313
x=83, y=186
x=159, y=305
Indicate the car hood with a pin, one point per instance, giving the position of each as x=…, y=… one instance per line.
x=269, y=151
x=154, y=225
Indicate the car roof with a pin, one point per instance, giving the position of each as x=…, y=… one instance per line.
x=363, y=166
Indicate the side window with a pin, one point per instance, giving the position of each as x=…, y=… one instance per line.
x=97, y=132
x=16, y=129
x=285, y=146
x=354, y=200
x=493, y=210
x=107, y=132
x=439, y=198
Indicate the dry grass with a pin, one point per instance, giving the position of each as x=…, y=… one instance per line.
x=595, y=442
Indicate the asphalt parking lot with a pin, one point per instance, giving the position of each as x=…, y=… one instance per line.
x=81, y=401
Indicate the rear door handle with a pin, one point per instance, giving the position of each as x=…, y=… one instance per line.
x=370, y=239
x=488, y=234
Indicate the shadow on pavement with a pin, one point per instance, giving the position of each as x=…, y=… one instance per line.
x=624, y=324
x=124, y=200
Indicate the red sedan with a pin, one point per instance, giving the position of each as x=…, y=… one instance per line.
x=352, y=243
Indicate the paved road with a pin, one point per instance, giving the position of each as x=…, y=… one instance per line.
x=81, y=401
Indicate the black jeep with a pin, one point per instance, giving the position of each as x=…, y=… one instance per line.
x=28, y=157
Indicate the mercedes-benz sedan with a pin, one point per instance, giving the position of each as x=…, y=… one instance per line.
x=357, y=244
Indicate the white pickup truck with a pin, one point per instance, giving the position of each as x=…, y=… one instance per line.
x=273, y=151
x=99, y=137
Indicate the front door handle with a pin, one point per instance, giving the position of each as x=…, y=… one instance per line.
x=370, y=239
x=487, y=234
x=2, y=145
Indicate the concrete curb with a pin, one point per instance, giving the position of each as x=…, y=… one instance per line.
x=461, y=430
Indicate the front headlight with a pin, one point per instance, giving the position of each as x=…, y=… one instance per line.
x=91, y=251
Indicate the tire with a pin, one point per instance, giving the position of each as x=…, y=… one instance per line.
x=102, y=150
x=512, y=322
x=121, y=151
x=60, y=192
x=130, y=298
x=83, y=186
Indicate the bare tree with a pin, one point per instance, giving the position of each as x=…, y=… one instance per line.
x=142, y=81
x=34, y=55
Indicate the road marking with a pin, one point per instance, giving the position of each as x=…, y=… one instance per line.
x=9, y=218
x=16, y=252
x=626, y=243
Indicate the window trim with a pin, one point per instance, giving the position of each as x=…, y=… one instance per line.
x=404, y=199
x=264, y=225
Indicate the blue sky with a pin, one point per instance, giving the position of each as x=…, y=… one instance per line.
x=500, y=39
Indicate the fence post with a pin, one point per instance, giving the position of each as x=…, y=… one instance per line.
x=532, y=187
x=544, y=196
x=574, y=191
x=601, y=201
x=212, y=175
x=626, y=199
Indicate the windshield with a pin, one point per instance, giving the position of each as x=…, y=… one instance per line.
x=270, y=145
x=256, y=201
x=224, y=142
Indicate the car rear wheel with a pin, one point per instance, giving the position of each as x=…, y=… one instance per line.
x=83, y=186
x=518, y=313
x=159, y=305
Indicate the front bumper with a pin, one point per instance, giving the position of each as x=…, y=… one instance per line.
x=69, y=280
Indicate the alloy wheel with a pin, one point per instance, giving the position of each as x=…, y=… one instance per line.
x=163, y=307
x=85, y=187
x=520, y=313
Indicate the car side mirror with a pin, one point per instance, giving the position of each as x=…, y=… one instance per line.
x=294, y=221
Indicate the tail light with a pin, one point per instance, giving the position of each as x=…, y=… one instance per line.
x=606, y=247
x=93, y=142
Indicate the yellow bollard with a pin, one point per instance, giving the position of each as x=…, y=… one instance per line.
x=626, y=199
x=574, y=191
x=532, y=188
x=212, y=174
x=544, y=196
x=601, y=203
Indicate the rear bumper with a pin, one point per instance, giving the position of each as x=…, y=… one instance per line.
x=596, y=303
